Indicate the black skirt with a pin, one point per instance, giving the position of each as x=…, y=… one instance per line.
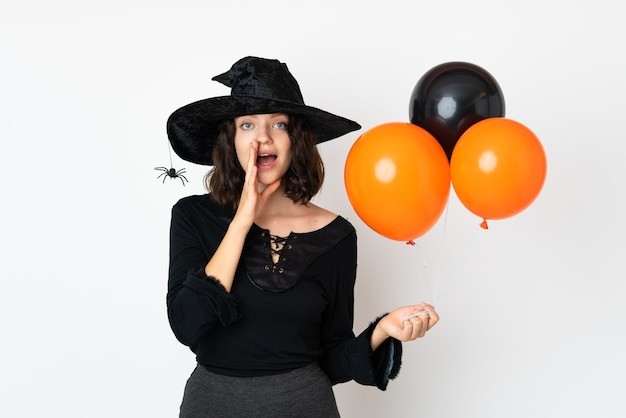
x=301, y=393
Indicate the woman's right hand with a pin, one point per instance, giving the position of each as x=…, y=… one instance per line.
x=223, y=264
x=252, y=200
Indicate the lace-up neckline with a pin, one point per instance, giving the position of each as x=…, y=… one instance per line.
x=275, y=263
x=277, y=244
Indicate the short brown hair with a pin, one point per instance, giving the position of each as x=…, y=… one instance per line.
x=301, y=182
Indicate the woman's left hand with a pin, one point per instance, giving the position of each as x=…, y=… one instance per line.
x=406, y=323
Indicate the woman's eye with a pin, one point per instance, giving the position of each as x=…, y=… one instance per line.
x=246, y=125
x=280, y=125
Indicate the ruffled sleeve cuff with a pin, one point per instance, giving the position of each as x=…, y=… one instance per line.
x=384, y=363
x=223, y=304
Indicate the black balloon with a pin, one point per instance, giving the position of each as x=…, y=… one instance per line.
x=453, y=96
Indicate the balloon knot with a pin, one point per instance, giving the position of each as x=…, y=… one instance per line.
x=484, y=225
x=410, y=242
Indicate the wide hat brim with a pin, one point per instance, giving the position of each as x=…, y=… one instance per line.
x=192, y=129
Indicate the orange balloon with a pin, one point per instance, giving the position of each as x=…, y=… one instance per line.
x=497, y=168
x=398, y=180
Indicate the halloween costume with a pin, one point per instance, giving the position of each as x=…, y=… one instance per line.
x=281, y=323
x=269, y=324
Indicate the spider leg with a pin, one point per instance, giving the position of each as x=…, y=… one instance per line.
x=160, y=175
x=183, y=179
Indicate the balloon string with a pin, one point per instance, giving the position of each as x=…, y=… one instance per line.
x=440, y=281
x=422, y=258
x=462, y=257
x=441, y=246
x=432, y=293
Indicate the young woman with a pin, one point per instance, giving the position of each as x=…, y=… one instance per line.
x=261, y=280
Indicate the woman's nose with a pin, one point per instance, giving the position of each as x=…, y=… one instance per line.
x=264, y=135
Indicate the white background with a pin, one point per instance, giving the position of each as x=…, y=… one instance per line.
x=532, y=309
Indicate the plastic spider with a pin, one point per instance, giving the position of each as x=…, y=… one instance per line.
x=172, y=173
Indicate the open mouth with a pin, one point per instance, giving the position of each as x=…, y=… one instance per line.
x=264, y=160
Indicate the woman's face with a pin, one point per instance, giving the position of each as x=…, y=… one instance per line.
x=274, y=146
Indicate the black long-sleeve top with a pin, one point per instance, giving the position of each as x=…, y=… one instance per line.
x=277, y=317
